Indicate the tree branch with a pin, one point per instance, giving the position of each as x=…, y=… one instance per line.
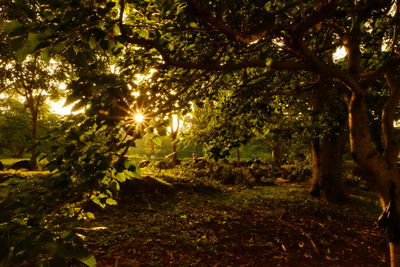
x=392, y=147
x=323, y=13
x=388, y=66
x=323, y=69
x=185, y=64
x=218, y=24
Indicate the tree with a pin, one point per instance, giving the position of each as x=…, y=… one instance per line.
x=32, y=78
x=195, y=43
x=14, y=128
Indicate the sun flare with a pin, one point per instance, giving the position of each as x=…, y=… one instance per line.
x=138, y=117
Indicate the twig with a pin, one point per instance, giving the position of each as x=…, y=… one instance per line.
x=297, y=228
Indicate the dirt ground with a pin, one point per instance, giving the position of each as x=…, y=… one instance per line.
x=278, y=225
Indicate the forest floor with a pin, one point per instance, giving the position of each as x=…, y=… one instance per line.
x=194, y=222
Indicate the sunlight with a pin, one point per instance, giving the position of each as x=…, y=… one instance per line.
x=138, y=117
x=339, y=53
x=59, y=108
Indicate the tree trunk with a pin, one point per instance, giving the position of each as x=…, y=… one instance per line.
x=237, y=155
x=276, y=153
x=33, y=160
x=174, y=135
x=21, y=152
x=327, y=168
x=379, y=173
x=394, y=255
x=174, y=154
x=328, y=149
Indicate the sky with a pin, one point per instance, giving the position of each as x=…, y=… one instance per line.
x=58, y=107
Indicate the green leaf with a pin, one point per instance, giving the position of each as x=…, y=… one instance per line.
x=58, y=47
x=17, y=44
x=92, y=42
x=120, y=177
x=77, y=106
x=11, y=26
x=114, y=186
x=156, y=140
x=34, y=39
x=111, y=201
x=90, y=215
x=76, y=49
x=89, y=260
x=144, y=33
x=97, y=201
x=21, y=54
x=45, y=55
x=268, y=62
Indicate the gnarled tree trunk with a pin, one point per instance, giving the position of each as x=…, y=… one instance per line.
x=380, y=169
x=327, y=150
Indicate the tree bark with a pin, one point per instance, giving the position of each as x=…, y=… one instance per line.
x=21, y=152
x=276, y=154
x=394, y=255
x=174, y=135
x=33, y=161
x=380, y=173
x=327, y=149
x=174, y=154
x=238, y=155
x=327, y=168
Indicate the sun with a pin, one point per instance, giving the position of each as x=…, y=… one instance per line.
x=138, y=117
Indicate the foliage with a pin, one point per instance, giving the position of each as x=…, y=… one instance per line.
x=15, y=136
x=15, y=127
x=38, y=237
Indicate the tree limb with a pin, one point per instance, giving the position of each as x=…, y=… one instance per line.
x=218, y=24
x=392, y=147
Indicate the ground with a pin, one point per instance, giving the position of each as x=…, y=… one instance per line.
x=202, y=223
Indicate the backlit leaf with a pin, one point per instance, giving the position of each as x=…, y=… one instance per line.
x=11, y=26
x=111, y=201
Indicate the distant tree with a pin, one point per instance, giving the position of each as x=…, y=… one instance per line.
x=35, y=81
x=15, y=136
x=15, y=124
